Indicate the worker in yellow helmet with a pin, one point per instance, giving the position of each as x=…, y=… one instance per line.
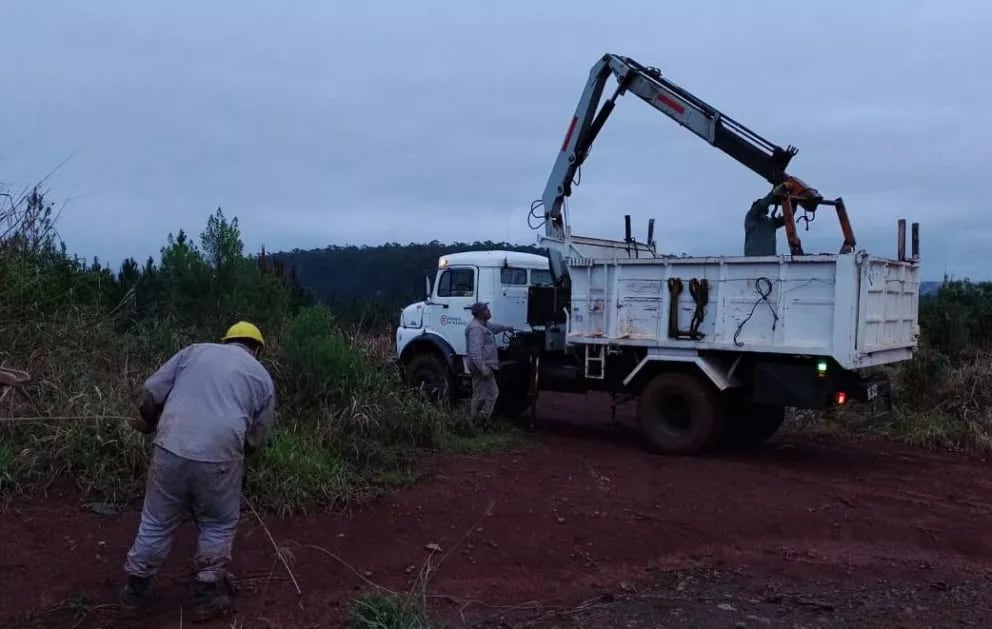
x=209, y=406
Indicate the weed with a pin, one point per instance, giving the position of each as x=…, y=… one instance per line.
x=387, y=611
x=482, y=442
x=10, y=472
x=294, y=472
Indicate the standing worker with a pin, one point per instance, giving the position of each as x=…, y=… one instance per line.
x=211, y=404
x=760, y=227
x=483, y=360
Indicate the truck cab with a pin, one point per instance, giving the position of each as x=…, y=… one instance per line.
x=430, y=338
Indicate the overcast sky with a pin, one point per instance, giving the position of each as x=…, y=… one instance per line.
x=353, y=122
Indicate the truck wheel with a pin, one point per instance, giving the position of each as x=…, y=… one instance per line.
x=753, y=424
x=512, y=402
x=679, y=414
x=513, y=398
x=431, y=377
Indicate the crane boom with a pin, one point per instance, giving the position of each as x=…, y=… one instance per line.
x=747, y=147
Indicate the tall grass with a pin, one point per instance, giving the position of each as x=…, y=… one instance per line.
x=942, y=396
x=89, y=337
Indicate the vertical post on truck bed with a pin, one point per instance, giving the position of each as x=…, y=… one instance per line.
x=795, y=245
x=901, y=244
x=916, y=241
x=845, y=226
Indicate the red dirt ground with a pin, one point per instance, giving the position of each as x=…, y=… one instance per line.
x=585, y=528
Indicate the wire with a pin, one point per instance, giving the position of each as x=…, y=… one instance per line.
x=806, y=217
x=533, y=214
x=763, y=297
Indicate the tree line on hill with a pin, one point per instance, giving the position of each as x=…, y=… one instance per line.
x=368, y=285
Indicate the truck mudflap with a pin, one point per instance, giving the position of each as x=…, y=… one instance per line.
x=874, y=392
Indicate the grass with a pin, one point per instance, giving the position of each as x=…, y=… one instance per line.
x=295, y=471
x=485, y=441
x=329, y=444
x=10, y=472
x=397, y=478
x=387, y=611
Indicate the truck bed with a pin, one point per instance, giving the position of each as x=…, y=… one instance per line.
x=858, y=309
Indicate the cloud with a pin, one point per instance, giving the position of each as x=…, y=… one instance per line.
x=369, y=122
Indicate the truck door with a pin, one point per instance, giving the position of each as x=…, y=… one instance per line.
x=454, y=292
x=511, y=307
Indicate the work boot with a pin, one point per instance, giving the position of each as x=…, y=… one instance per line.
x=208, y=602
x=230, y=583
x=133, y=596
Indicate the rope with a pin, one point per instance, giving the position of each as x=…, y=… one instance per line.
x=700, y=291
x=62, y=418
x=763, y=297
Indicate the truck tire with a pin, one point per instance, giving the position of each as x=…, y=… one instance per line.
x=512, y=402
x=751, y=424
x=513, y=398
x=679, y=414
x=429, y=374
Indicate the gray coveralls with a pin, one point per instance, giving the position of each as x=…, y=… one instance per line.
x=482, y=361
x=217, y=399
x=760, y=228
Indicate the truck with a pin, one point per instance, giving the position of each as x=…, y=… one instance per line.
x=710, y=349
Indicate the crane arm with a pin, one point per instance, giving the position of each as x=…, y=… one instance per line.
x=747, y=147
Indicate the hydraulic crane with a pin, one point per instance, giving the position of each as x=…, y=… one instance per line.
x=747, y=147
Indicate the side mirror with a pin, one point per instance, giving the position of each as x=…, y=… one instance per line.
x=427, y=288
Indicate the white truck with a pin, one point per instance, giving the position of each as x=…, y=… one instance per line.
x=711, y=348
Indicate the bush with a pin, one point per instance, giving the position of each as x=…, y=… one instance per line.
x=378, y=611
x=943, y=395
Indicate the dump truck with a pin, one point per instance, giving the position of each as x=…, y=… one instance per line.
x=710, y=349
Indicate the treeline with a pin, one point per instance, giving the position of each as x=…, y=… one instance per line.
x=369, y=285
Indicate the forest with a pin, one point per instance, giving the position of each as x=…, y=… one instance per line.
x=369, y=285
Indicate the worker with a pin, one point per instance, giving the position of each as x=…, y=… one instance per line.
x=211, y=405
x=760, y=227
x=483, y=361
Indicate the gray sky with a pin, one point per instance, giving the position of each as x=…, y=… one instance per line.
x=340, y=122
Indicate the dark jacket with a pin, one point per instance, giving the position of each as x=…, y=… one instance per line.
x=760, y=228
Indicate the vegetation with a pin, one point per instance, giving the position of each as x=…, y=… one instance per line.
x=943, y=396
x=945, y=392
x=89, y=336
x=388, y=611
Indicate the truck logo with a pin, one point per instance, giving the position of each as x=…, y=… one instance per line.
x=444, y=319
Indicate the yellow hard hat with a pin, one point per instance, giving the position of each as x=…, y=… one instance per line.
x=244, y=330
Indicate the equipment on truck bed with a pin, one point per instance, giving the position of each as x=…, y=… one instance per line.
x=720, y=130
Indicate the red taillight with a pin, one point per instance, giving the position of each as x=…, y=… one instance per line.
x=840, y=397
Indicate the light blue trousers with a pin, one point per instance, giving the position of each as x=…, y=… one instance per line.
x=177, y=487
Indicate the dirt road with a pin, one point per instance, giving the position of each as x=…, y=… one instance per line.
x=582, y=528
